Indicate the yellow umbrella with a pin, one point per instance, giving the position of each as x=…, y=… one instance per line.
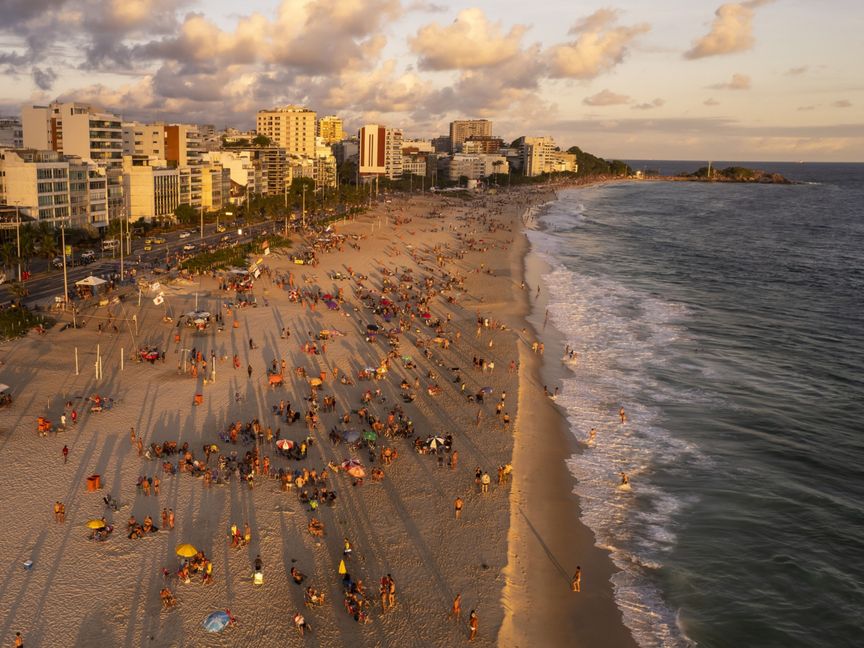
x=186, y=550
x=96, y=524
x=315, y=382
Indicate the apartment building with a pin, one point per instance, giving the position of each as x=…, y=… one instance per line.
x=289, y=127
x=462, y=129
x=37, y=182
x=11, y=132
x=77, y=129
x=380, y=151
x=151, y=188
x=472, y=167
x=539, y=155
x=330, y=129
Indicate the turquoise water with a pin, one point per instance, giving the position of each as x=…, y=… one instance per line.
x=728, y=321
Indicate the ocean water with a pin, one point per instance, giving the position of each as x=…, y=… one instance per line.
x=728, y=321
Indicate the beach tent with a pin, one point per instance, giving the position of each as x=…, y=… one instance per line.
x=216, y=621
x=91, y=281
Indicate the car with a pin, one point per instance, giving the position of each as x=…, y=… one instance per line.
x=88, y=256
x=148, y=241
x=220, y=228
x=57, y=262
x=184, y=235
x=159, y=240
x=188, y=247
x=148, y=247
x=225, y=238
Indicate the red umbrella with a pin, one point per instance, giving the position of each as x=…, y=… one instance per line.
x=426, y=315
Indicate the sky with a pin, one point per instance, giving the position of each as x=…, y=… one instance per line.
x=668, y=79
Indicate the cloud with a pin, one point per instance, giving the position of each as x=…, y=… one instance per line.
x=44, y=79
x=737, y=82
x=606, y=98
x=842, y=103
x=649, y=105
x=469, y=42
x=731, y=31
x=599, y=46
x=711, y=101
x=797, y=71
x=805, y=108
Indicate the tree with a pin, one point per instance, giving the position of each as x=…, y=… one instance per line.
x=260, y=140
x=8, y=254
x=185, y=214
x=48, y=244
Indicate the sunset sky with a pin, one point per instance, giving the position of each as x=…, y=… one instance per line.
x=673, y=79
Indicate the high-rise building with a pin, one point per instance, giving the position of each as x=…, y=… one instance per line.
x=380, y=151
x=539, y=155
x=483, y=144
x=144, y=139
x=289, y=127
x=330, y=129
x=151, y=187
x=372, y=150
x=462, y=129
x=77, y=129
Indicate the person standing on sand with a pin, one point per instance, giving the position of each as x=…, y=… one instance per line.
x=65, y=452
x=622, y=415
x=170, y=518
x=456, y=610
x=454, y=459
x=473, y=623
x=576, y=583
x=391, y=592
x=457, y=506
x=140, y=443
x=249, y=370
x=132, y=436
x=19, y=640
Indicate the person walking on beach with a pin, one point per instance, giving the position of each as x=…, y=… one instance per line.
x=485, y=480
x=249, y=370
x=622, y=415
x=456, y=609
x=19, y=640
x=170, y=518
x=391, y=592
x=132, y=436
x=472, y=624
x=65, y=452
x=576, y=582
x=140, y=444
x=457, y=506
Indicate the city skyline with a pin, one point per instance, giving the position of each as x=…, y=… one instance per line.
x=752, y=80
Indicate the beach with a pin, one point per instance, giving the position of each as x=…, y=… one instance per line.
x=453, y=271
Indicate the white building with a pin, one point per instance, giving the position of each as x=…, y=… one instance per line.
x=37, y=182
x=151, y=188
x=372, y=153
x=472, y=167
x=77, y=129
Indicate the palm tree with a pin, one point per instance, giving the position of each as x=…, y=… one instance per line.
x=8, y=254
x=49, y=246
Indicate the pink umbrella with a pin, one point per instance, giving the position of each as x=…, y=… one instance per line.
x=284, y=444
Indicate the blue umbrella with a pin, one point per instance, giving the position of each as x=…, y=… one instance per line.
x=486, y=390
x=216, y=621
x=350, y=435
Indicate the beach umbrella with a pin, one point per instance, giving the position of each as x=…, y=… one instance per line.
x=434, y=442
x=351, y=463
x=426, y=315
x=284, y=444
x=328, y=296
x=372, y=327
x=96, y=524
x=216, y=621
x=332, y=305
x=186, y=550
x=315, y=382
x=370, y=435
x=350, y=435
x=356, y=471
x=486, y=390
x=214, y=447
x=386, y=302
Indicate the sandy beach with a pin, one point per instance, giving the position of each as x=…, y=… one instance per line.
x=510, y=554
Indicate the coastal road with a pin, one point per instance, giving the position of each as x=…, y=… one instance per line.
x=49, y=284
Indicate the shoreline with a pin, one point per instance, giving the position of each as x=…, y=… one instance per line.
x=546, y=538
